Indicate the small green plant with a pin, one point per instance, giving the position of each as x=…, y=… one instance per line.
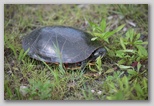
x=132, y=48
x=100, y=32
x=136, y=74
x=121, y=88
x=126, y=56
x=131, y=40
x=98, y=67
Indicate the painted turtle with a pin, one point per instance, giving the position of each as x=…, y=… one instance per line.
x=57, y=44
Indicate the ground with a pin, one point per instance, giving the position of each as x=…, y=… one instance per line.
x=122, y=75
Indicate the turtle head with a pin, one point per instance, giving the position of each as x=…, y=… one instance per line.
x=99, y=52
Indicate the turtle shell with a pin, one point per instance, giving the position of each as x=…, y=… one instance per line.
x=59, y=44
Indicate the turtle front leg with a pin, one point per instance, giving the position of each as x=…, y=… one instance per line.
x=84, y=64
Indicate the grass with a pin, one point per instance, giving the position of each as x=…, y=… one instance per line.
x=122, y=75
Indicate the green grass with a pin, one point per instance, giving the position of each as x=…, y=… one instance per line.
x=122, y=75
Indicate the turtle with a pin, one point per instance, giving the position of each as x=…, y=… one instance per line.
x=62, y=44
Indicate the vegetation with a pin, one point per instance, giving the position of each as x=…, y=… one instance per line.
x=122, y=75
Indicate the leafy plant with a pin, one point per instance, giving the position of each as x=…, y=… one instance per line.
x=121, y=88
x=132, y=39
x=136, y=74
x=132, y=48
x=98, y=65
x=100, y=32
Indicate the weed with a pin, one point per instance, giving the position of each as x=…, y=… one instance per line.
x=132, y=48
x=100, y=31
